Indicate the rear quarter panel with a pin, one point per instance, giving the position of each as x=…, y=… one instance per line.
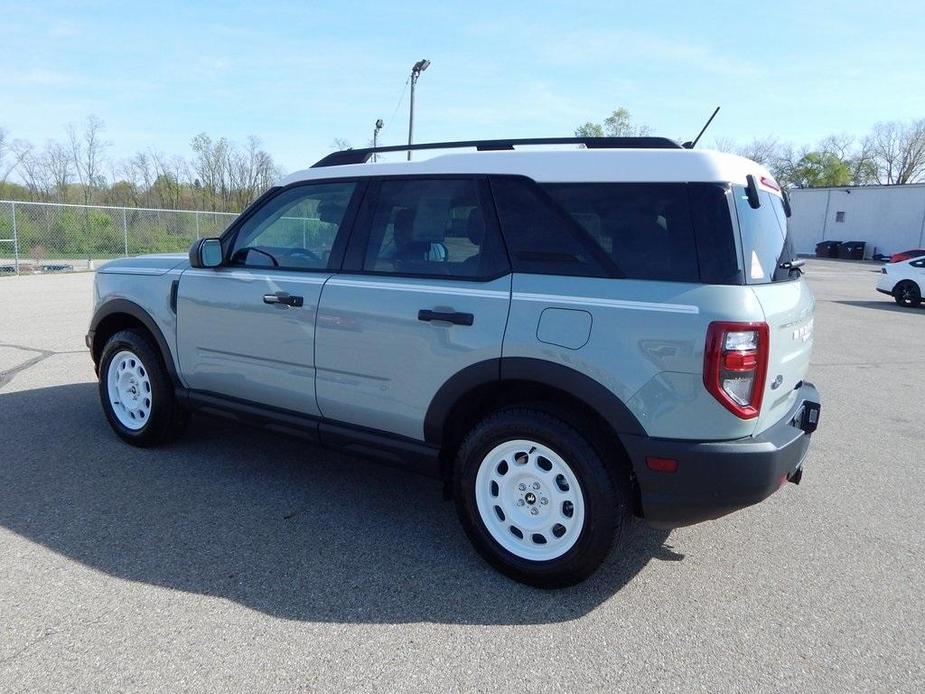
x=646, y=344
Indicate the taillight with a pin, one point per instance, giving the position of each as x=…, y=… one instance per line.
x=735, y=365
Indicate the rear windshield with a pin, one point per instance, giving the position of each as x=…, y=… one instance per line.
x=766, y=242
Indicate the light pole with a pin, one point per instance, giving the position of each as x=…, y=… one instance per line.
x=416, y=71
x=376, y=135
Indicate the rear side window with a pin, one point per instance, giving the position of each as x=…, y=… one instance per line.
x=540, y=238
x=644, y=228
x=433, y=227
x=766, y=241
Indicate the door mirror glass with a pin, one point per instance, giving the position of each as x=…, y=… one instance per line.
x=206, y=253
x=211, y=252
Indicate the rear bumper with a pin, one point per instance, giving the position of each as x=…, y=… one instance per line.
x=714, y=478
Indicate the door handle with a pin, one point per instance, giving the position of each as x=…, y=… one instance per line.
x=283, y=299
x=448, y=316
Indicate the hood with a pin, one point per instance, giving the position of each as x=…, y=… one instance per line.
x=153, y=264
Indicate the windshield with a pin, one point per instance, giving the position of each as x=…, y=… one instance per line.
x=766, y=241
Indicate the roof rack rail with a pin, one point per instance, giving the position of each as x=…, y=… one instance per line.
x=361, y=156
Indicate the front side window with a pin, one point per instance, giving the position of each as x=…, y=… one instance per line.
x=766, y=242
x=432, y=227
x=295, y=229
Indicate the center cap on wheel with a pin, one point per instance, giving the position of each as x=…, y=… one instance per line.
x=530, y=497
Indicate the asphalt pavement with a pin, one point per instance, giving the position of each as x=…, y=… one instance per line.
x=240, y=560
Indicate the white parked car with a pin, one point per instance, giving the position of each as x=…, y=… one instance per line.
x=904, y=281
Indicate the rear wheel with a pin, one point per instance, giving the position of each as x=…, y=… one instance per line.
x=907, y=293
x=136, y=391
x=536, y=499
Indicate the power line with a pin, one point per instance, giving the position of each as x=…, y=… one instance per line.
x=395, y=110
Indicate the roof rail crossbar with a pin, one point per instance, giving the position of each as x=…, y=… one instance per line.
x=361, y=156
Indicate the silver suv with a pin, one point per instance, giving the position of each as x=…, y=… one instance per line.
x=565, y=337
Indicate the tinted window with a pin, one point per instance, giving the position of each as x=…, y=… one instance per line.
x=766, y=239
x=295, y=229
x=540, y=237
x=435, y=227
x=644, y=228
x=713, y=229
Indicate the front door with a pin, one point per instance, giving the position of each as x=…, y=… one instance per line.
x=246, y=330
x=424, y=293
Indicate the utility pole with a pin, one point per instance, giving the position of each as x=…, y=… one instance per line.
x=376, y=136
x=416, y=71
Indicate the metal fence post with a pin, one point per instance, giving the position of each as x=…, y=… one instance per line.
x=15, y=241
x=124, y=231
x=196, y=216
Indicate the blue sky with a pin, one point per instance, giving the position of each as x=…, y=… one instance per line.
x=299, y=74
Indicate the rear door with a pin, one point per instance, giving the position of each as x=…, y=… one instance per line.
x=246, y=330
x=784, y=296
x=424, y=294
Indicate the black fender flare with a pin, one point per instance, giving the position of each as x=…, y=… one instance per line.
x=130, y=308
x=547, y=373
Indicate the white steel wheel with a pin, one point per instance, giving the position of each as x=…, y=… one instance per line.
x=129, y=389
x=529, y=500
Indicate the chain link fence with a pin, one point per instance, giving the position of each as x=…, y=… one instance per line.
x=37, y=237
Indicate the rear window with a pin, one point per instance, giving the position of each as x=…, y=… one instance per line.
x=766, y=241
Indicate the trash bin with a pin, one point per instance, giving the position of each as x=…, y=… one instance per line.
x=827, y=249
x=852, y=250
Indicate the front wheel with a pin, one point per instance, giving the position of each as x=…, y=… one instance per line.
x=907, y=293
x=136, y=391
x=536, y=499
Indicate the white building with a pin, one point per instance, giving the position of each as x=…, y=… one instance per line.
x=889, y=218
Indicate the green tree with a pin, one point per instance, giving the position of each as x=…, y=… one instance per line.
x=818, y=169
x=618, y=124
x=590, y=129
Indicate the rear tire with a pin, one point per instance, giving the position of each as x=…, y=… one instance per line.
x=536, y=499
x=137, y=393
x=907, y=293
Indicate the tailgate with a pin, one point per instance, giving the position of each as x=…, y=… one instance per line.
x=788, y=308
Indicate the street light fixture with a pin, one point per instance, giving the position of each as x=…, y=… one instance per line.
x=416, y=71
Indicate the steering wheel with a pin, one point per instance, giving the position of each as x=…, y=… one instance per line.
x=247, y=249
x=305, y=253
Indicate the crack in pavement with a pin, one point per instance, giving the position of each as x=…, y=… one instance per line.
x=42, y=355
x=83, y=623
x=24, y=649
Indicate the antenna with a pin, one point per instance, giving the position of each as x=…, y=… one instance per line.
x=691, y=145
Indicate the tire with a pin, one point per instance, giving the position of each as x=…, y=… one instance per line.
x=137, y=393
x=497, y=488
x=907, y=293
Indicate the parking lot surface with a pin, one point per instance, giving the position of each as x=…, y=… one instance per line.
x=237, y=559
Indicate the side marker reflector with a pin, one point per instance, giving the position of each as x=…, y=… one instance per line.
x=662, y=464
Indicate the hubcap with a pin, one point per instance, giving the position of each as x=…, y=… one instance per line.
x=129, y=389
x=529, y=500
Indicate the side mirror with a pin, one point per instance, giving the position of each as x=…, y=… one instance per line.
x=206, y=253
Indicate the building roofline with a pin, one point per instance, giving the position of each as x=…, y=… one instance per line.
x=865, y=186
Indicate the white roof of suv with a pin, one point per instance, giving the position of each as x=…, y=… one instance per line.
x=563, y=166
